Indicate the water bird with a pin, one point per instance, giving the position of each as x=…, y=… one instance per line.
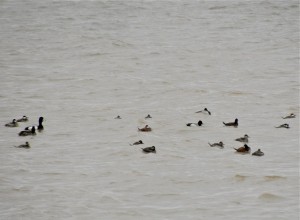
x=234, y=124
x=14, y=123
x=205, y=110
x=118, y=117
x=149, y=149
x=137, y=142
x=26, y=145
x=39, y=127
x=243, y=149
x=148, y=116
x=283, y=126
x=220, y=144
x=258, y=153
x=28, y=132
x=145, y=129
x=243, y=139
x=292, y=115
x=23, y=119
x=194, y=124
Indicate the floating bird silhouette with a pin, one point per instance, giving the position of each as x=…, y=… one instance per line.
x=243, y=149
x=258, y=153
x=243, y=139
x=234, y=124
x=149, y=149
x=145, y=129
x=220, y=144
x=12, y=124
x=195, y=124
x=205, y=110
x=283, y=126
x=26, y=145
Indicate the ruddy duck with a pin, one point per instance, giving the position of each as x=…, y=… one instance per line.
x=292, y=115
x=235, y=123
x=148, y=116
x=149, y=149
x=26, y=145
x=23, y=119
x=12, y=124
x=243, y=149
x=137, y=142
x=145, y=129
x=243, y=139
x=205, y=110
x=220, y=144
x=283, y=126
x=258, y=153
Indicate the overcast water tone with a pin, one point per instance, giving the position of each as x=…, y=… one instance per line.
x=79, y=64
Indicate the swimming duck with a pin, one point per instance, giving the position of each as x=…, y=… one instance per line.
x=283, y=126
x=258, y=153
x=26, y=145
x=118, y=117
x=205, y=110
x=39, y=127
x=194, y=124
x=220, y=144
x=235, y=123
x=28, y=132
x=243, y=149
x=292, y=115
x=243, y=139
x=137, y=142
x=149, y=149
x=148, y=116
x=23, y=119
x=14, y=123
x=145, y=129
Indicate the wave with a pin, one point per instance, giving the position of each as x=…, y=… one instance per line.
x=240, y=178
x=269, y=197
x=274, y=178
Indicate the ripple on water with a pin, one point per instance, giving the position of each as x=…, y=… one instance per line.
x=269, y=197
x=240, y=178
x=274, y=178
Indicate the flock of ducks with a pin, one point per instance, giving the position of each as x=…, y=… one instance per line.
x=245, y=149
x=31, y=130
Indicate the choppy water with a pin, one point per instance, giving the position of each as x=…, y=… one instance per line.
x=79, y=64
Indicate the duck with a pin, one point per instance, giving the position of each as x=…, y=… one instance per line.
x=26, y=145
x=194, y=124
x=12, y=124
x=118, y=117
x=149, y=149
x=23, y=119
x=283, y=126
x=243, y=139
x=205, y=110
x=234, y=124
x=258, y=153
x=220, y=144
x=39, y=127
x=28, y=132
x=292, y=115
x=148, y=116
x=243, y=149
x=145, y=129
x=137, y=142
